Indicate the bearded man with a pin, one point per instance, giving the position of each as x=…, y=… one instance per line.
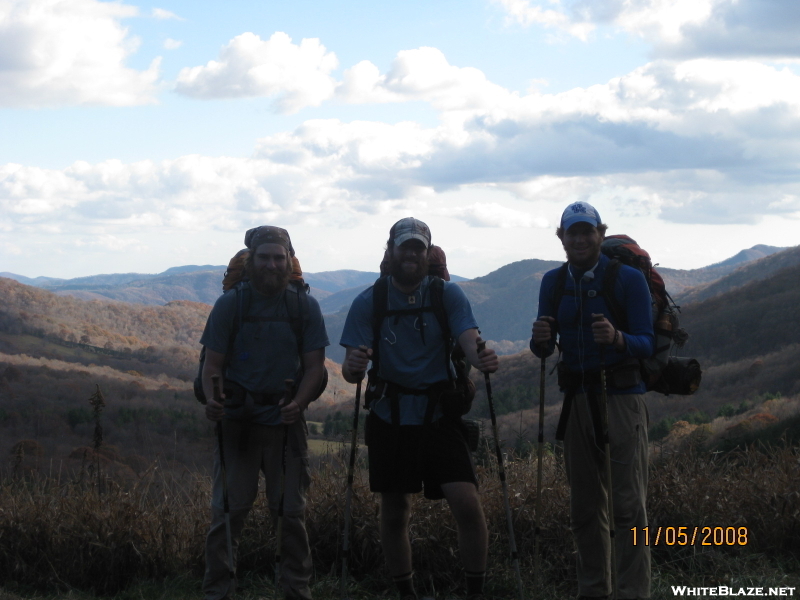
x=253, y=345
x=573, y=306
x=412, y=441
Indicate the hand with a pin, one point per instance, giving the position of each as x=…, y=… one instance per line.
x=290, y=412
x=542, y=331
x=358, y=361
x=602, y=330
x=215, y=410
x=487, y=358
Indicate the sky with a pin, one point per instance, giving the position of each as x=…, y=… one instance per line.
x=136, y=137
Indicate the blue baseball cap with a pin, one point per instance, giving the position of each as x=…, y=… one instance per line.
x=580, y=212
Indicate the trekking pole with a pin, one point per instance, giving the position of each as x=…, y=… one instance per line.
x=226, y=507
x=539, y=451
x=349, y=496
x=289, y=384
x=607, y=451
x=501, y=469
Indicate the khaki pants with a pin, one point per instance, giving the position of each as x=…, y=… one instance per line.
x=585, y=464
x=262, y=453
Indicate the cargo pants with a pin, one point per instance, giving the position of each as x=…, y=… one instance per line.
x=262, y=452
x=585, y=464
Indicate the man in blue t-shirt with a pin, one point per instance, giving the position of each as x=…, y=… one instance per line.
x=572, y=306
x=414, y=441
x=268, y=349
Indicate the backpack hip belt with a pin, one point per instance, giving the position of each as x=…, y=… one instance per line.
x=236, y=396
x=622, y=375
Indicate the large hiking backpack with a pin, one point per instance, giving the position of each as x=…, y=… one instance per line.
x=463, y=386
x=663, y=371
x=296, y=297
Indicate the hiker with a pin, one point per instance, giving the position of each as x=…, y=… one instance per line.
x=437, y=263
x=571, y=301
x=254, y=341
x=414, y=433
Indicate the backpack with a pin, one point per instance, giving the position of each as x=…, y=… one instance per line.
x=297, y=310
x=453, y=404
x=662, y=372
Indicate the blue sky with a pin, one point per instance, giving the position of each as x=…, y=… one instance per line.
x=138, y=137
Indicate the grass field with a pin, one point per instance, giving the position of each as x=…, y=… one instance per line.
x=79, y=539
x=318, y=447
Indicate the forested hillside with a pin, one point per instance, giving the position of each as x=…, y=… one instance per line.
x=744, y=274
x=131, y=330
x=747, y=341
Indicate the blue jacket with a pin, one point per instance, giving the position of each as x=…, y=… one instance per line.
x=574, y=318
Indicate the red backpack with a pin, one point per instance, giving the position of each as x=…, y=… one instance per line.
x=664, y=371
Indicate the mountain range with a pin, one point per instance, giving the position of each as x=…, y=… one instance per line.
x=202, y=283
x=743, y=328
x=504, y=301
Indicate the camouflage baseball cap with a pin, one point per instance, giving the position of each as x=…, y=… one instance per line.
x=410, y=229
x=267, y=234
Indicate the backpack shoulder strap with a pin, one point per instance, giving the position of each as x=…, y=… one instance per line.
x=296, y=298
x=436, y=290
x=241, y=304
x=558, y=290
x=243, y=296
x=609, y=294
x=380, y=302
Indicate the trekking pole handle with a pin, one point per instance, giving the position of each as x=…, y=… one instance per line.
x=481, y=346
x=599, y=317
x=215, y=386
x=364, y=349
x=288, y=384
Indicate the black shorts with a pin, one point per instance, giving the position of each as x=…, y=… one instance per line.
x=402, y=459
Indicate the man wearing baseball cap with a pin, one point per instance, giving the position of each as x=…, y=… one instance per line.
x=259, y=335
x=573, y=307
x=415, y=440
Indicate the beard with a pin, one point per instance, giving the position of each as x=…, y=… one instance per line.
x=585, y=258
x=404, y=277
x=269, y=283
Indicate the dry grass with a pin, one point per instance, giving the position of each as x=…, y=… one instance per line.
x=63, y=536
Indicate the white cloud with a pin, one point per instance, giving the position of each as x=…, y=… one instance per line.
x=162, y=15
x=111, y=243
x=695, y=141
x=63, y=52
x=297, y=75
x=423, y=74
x=492, y=214
x=170, y=44
x=526, y=14
x=676, y=28
x=663, y=20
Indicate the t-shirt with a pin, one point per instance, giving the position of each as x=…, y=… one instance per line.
x=411, y=346
x=574, y=318
x=265, y=351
